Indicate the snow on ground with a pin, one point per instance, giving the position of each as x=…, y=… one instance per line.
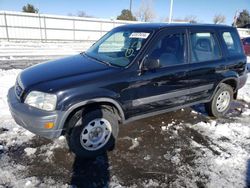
x=8, y=79
x=12, y=135
x=227, y=161
x=37, y=50
x=244, y=93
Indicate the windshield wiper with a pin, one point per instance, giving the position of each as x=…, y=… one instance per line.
x=104, y=62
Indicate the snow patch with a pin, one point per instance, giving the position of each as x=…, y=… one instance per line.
x=8, y=79
x=244, y=93
x=30, y=151
x=147, y=157
x=246, y=112
x=226, y=161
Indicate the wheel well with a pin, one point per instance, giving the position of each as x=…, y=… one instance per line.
x=232, y=83
x=89, y=107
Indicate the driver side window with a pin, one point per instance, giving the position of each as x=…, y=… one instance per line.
x=169, y=50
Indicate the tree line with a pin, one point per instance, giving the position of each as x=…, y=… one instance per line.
x=146, y=13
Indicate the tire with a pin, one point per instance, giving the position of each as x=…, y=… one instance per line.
x=93, y=133
x=221, y=102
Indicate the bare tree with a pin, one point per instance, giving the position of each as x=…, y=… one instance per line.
x=83, y=14
x=191, y=19
x=146, y=12
x=80, y=14
x=219, y=18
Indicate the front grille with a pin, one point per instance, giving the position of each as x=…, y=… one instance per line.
x=18, y=90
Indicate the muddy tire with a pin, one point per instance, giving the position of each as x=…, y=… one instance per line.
x=221, y=102
x=93, y=133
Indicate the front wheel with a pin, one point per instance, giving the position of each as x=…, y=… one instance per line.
x=221, y=102
x=93, y=133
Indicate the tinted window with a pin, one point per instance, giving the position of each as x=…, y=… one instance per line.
x=232, y=42
x=114, y=43
x=118, y=47
x=169, y=50
x=204, y=47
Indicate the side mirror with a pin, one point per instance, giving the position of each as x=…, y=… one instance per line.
x=151, y=64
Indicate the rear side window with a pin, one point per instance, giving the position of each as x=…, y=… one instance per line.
x=204, y=47
x=232, y=42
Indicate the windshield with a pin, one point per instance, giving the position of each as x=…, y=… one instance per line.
x=118, y=47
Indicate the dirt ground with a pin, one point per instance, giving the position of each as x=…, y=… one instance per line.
x=153, y=152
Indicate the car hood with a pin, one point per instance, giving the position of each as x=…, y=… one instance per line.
x=61, y=68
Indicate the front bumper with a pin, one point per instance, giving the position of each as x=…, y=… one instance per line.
x=34, y=119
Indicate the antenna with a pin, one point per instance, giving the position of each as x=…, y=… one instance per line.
x=130, y=5
x=171, y=11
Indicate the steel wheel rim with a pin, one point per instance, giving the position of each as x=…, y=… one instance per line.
x=223, y=101
x=95, y=134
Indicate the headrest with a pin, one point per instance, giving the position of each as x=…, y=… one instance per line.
x=203, y=44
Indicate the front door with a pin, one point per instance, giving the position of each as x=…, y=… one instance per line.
x=166, y=86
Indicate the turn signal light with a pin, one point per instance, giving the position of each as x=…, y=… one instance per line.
x=49, y=125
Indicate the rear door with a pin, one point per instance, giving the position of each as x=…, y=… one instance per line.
x=206, y=63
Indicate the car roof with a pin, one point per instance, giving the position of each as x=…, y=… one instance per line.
x=156, y=26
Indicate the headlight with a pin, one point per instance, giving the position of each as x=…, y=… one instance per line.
x=41, y=100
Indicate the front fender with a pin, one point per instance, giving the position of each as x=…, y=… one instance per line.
x=74, y=99
x=94, y=100
x=74, y=96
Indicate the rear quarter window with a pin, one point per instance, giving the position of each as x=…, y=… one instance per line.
x=233, y=43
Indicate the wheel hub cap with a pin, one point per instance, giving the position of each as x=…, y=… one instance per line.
x=95, y=134
x=223, y=101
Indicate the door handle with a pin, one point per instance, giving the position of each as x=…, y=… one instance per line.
x=224, y=67
x=221, y=68
x=156, y=84
x=180, y=75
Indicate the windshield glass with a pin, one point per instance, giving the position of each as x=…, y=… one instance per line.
x=118, y=47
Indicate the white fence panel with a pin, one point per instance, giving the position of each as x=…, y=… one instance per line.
x=46, y=28
x=3, y=32
x=2, y=21
x=24, y=33
x=59, y=24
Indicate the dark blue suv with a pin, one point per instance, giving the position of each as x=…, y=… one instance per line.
x=132, y=72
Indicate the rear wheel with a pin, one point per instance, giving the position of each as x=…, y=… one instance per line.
x=221, y=102
x=93, y=133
